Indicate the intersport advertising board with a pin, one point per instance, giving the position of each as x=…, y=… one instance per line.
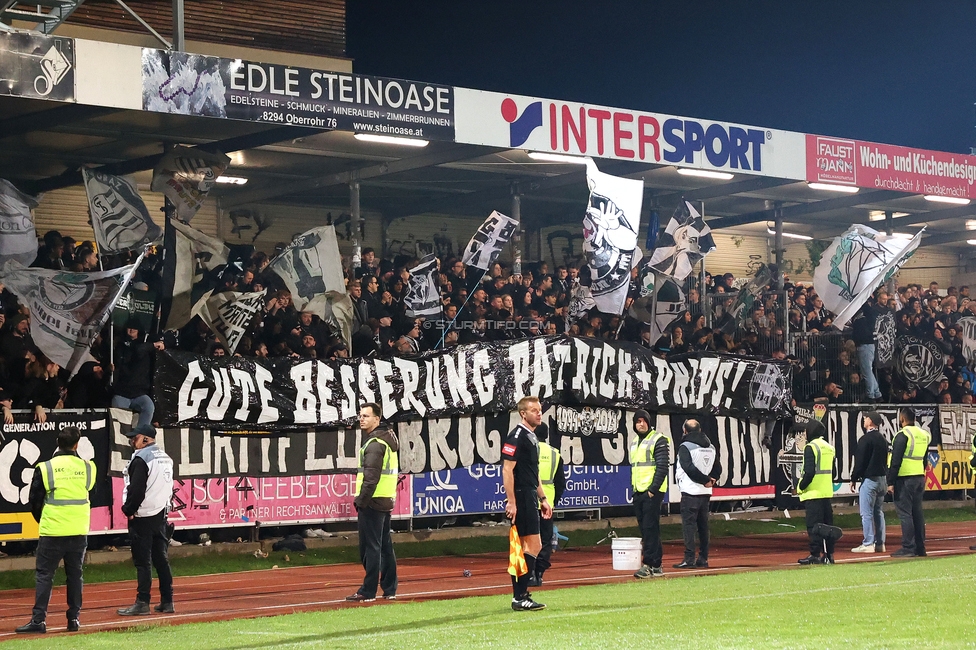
x=889, y=167
x=554, y=126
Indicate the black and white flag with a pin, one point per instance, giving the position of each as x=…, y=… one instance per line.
x=185, y=176
x=580, y=303
x=68, y=310
x=192, y=266
x=422, y=297
x=119, y=216
x=18, y=239
x=920, y=362
x=610, y=236
x=855, y=264
x=685, y=241
x=745, y=302
x=488, y=242
x=311, y=268
x=228, y=314
x=967, y=327
x=885, y=336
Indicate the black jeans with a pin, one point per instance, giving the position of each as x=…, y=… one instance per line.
x=545, y=531
x=50, y=552
x=648, y=511
x=694, y=518
x=818, y=511
x=908, y=505
x=376, y=553
x=150, y=547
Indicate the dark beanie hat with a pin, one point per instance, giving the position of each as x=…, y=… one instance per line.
x=641, y=414
x=815, y=429
x=542, y=432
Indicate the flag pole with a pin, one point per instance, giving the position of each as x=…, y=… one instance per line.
x=477, y=285
x=653, y=306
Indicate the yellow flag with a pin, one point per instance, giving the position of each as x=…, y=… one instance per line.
x=516, y=558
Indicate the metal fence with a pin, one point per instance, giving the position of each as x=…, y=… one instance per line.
x=824, y=358
x=759, y=323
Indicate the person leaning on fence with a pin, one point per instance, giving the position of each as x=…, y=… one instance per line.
x=650, y=456
x=376, y=486
x=553, y=482
x=816, y=488
x=59, y=502
x=906, y=481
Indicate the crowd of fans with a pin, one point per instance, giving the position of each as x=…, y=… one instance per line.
x=499, y=305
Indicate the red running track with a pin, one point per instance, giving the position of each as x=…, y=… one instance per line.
x=298, y=589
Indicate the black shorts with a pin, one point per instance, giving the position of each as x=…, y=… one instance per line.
x=527, y=513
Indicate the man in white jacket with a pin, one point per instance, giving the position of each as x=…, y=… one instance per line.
x=696, y=472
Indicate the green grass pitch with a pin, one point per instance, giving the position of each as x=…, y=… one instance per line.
x=893, y=604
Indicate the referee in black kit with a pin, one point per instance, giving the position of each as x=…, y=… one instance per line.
x=523, y=493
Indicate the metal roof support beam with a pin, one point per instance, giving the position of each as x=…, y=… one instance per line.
x=237, y=143
x=754, y=184
x=497, y=195
x=935, y=215
x=949, y=238
x=42, y=120
x=802, y=209
x=451, y=154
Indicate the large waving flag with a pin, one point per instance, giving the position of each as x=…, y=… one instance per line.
x=228, y=314
x=185, y=176
x=685, y=241
x=488, y=242
x=855, y=264
x=311, y=268
x=193, y=264
x=119, y=216
x=422, y=297
x=745, y=301
x=68, y=310
x=18, y=238
x=610, y=236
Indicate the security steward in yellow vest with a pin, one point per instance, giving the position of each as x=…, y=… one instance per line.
x=376, y=485
x=59, y=502
x=553, y=481
x=906, y=480
x=650, y=456
x=816, y=489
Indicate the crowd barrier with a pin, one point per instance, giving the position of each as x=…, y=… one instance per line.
x=307, y=477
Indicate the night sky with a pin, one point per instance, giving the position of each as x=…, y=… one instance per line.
x=890, y=71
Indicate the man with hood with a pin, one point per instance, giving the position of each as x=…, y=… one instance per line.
x=650, y=456
x=133, y=372
x=815, y=490
x=696, y=471
x=376, y=485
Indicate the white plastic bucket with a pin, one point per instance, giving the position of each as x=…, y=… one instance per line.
x=626, y=553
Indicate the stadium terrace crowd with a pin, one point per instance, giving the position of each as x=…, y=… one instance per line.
x=494, y=306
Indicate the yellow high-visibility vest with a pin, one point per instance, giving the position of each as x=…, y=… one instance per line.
x=386, y=486
x=642, y=463
x=913, y=462
x=822, y=485
x=548, y=462
x=67, y=480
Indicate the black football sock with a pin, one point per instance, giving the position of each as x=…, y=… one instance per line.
x=523, y=581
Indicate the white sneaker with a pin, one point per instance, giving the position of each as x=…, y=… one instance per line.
x=863, y=548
